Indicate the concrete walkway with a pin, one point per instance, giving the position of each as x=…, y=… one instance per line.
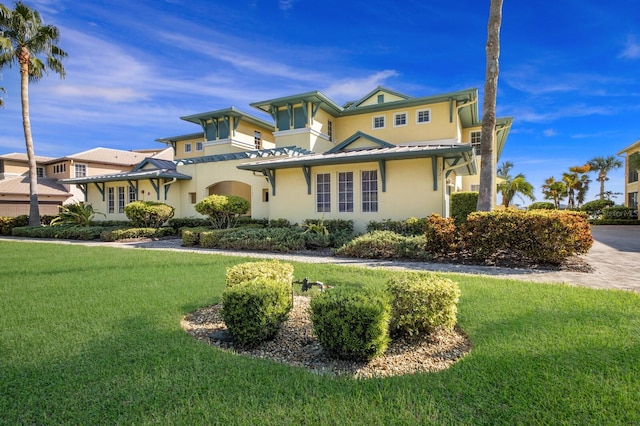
x=615, y=258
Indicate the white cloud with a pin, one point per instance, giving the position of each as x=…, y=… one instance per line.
x=355, y=88
x=631, y=49
x=286, y=4
x=550, y=132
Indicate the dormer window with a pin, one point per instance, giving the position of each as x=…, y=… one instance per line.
x=380, y=99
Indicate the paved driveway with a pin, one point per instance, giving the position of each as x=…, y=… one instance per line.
x=615, y=258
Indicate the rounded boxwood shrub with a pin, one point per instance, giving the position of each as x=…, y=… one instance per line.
x=254, y=311
x=223, y=210
x=148, y=214
x=422, y=303
x=352, y=323
x=541, y=205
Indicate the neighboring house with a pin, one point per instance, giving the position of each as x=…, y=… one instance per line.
x=384, y=156
x=14, y=177
x=631, y=186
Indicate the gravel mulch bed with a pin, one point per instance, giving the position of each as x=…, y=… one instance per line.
x=296, y=345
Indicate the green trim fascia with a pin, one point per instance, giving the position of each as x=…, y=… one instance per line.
x=315, y=97
x=324, y=160
x=227, y=112
x=355, y=104
x=354, y=138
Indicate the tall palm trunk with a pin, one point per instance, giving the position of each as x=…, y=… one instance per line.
x=486, y=197
x=34, y=208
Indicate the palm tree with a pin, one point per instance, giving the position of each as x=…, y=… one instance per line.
x=23, y=37
x=486, y=196
x=555, y=190
x=602, y=166
x=512, y=185
x=577, y=183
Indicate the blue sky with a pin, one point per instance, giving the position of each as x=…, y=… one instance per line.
x=569, y=69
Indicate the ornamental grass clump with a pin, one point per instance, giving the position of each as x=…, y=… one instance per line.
x=422, y=303
x=352, y=323
x=254, y=311
x=262, y=270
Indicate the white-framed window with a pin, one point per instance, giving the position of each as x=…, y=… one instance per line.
x=257, y=139
x=369, y=184
x=423, y=116
x=377, y=122
x=323, y=192
x=132, y=194
x=59, y=168
x=399, y=119
x=187, y=147
x=121, y=199
x=40, y=172
x=111, y=200
x=475, y=188
x=476, y=140
x=345, y=191
x=330, y=129
x=198, y=146
x=80, y=170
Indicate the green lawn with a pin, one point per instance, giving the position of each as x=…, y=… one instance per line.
x=92, y=335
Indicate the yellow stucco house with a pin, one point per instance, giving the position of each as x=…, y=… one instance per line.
x=384, y=156
x=631, y=186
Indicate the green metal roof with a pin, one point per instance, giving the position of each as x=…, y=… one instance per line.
x=227, y=112
x=261, y=153
x=313, y=97
x=452, y=153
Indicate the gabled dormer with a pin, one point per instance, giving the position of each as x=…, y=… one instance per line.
x=377, y=96
x=359, y=141
x=306, y=120
x=231, y=128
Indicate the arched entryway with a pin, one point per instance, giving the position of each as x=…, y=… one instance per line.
x=232, y=187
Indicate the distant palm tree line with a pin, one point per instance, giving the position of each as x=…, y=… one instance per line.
x=572, y=186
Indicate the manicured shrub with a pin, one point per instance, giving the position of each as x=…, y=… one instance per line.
x=191, y=236
x=385, y=245
x=222, y=210
x=188, y=222
x=462, y=204
x=123, y=234
x=279, y=223
x=594, y=208
x=441, y=235
x=619, y=212
x=263, y=239
x=64, y=232
x=148, y=214
x=541, y=205
x=254, y=311
x=422, y=303
x=538, y=236
x=246, y=221
x=352, y=323
x=262, y=270
x=412, y=226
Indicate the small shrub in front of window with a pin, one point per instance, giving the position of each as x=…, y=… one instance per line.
x=148, y=214
x=462, y=204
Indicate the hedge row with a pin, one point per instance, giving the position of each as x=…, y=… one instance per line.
x=123, y=234
x=65, y=232
x=264, y=239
